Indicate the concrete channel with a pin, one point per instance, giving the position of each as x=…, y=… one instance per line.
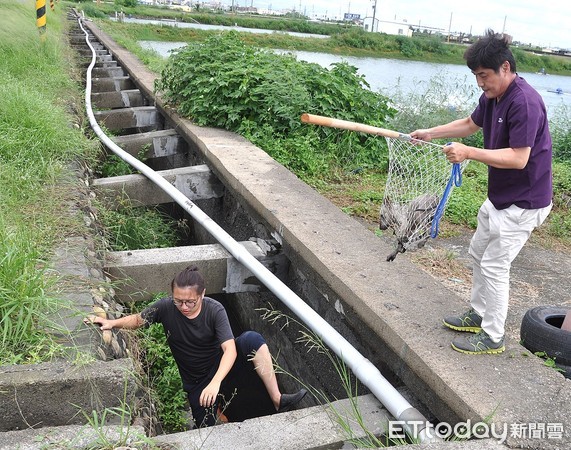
x=389, y=311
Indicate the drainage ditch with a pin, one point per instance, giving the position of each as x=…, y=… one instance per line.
x=140, y=128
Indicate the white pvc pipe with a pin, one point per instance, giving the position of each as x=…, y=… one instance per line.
x=362, y=368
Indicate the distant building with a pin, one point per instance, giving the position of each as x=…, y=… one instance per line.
x=246, y=9
x=388, y=27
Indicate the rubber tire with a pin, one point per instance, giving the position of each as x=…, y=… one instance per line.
x=541, y=332
x=566, y=370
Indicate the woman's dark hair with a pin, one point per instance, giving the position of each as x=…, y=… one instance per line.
x=490, y=52
x=189, y=277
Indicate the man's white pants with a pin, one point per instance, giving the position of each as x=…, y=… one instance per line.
x=498, y=239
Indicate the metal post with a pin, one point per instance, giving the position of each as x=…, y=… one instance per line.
x=41, y=16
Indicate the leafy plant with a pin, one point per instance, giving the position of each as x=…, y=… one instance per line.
x=549, y=361
x=114, y=166
x=226, y=83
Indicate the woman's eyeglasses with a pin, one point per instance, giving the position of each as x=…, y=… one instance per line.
x=188, y=303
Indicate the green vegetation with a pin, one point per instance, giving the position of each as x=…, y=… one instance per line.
x=344, y=39
x=549, y=361
x=131, y=228
x=243, y=89
x=37, y=142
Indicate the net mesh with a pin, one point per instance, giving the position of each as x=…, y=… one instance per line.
x=417, y=189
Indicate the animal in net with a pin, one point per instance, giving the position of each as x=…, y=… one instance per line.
x=418, y=186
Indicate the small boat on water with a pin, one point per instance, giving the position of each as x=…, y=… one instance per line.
x=558, y=91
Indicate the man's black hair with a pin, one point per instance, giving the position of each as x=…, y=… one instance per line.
x=490, y=52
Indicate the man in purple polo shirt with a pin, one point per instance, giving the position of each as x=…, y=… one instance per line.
x=517, y=151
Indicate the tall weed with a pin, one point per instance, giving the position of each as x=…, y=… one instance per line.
x=25, y=304
x=37, y=100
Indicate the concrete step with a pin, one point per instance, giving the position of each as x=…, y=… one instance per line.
x=118, y=99
x=100, y=51
x=72, y=437
x=108, y=84
x=309, y=428
x=142, y=273
x=55, y=394
x=157, y=144
x=196, y=182
x=126, y=118
x=108, y=72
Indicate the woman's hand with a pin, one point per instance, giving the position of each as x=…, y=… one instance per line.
x=209, y=394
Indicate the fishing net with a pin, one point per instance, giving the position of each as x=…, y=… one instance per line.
x=419, y=183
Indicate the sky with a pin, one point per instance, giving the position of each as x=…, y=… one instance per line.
x=544, y=23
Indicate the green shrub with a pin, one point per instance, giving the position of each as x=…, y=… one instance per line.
x=228, y=84
x=408, y=47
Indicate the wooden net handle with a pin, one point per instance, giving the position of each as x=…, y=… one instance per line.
x=353, y=126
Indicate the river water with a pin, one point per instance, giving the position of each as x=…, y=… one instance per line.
x=386, y=75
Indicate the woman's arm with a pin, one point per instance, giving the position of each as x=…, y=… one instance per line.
x=130, y=322
x=229, y=353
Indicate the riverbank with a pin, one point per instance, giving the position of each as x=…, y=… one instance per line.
x=344, y=39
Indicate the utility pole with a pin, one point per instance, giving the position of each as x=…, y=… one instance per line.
x=449, y=27
x=374, y=13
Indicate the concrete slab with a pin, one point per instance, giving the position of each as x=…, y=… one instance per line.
x=158, y=143
x=126, y=118
x=111, y=83
x=118, y=99
x=196, y=182
x=140, y=273
x=55, y=394
x=73, y=437
x=315, y=427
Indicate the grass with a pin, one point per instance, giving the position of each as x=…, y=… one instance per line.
x=24, y=304
x=39, y=137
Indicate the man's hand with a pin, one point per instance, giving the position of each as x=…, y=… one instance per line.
x=456, y=152
x=421, y=135
x=209, y=394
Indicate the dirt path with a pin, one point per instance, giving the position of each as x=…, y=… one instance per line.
x=539, y=276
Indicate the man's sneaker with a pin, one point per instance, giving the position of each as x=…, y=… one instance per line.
x=469, y=321
x=478, y=344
